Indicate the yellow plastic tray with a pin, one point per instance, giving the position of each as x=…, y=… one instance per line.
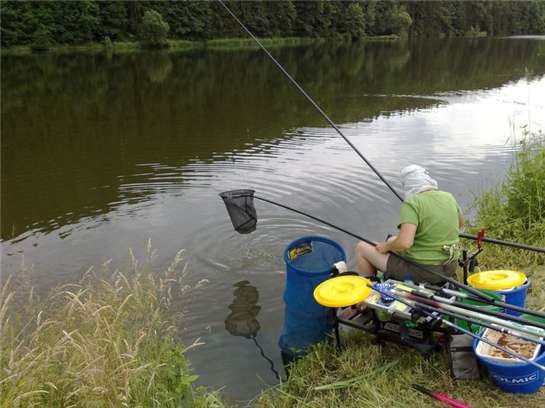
x=342, y=291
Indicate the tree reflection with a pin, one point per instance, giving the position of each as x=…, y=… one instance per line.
x=77, y=128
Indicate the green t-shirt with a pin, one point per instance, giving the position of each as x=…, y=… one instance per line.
x=435, y=214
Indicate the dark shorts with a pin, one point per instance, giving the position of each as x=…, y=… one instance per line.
x=399, y=269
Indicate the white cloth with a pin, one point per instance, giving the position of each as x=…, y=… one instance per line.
x=415, y=179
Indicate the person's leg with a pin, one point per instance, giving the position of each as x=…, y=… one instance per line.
x=369, y=259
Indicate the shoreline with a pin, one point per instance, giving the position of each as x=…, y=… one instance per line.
x=125, y=47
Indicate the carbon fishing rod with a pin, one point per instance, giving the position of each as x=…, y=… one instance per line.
x=437, y=316
x=526, y=327
x=475, y=307
x=336, y=128
x=482, y=297
x=475, y=320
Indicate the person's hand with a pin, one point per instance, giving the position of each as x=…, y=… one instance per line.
x=383, y=247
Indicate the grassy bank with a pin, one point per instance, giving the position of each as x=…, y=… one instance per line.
x=123, y=47
x=365, y=375
x=108, y=341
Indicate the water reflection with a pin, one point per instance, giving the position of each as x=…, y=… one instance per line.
x=77, y=129
x=242, y=321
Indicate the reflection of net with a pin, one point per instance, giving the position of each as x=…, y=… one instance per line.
x=240, y=206
x=242, y=321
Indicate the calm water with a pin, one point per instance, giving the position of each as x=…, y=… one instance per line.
x=100, y=153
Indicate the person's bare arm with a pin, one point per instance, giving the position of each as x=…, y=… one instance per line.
x=404, y=240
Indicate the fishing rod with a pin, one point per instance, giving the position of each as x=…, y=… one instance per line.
x=475, y=292
x=475, y=321
x=528, y=329
x=336, y=128
x=437, y=316
x=475, y=307
x=478, y=295
x=516, y=332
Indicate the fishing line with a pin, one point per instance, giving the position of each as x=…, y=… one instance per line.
x=482, y=297
x=473, y=291
x=334, y=126
x=271, y=363
x=312, y=102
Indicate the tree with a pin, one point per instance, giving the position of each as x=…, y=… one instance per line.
x=114, y=22
x=41, y=39
x=282, y=16
x=74, y=21
x=400, y=21
x=354, y=21
x=154, y=30
x=370, y=17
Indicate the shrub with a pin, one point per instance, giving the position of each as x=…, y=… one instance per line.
x=108, y=42
x=41, y=39
x=475, y=32
x=154, y=29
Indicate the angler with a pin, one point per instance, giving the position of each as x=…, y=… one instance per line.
x=429, y=224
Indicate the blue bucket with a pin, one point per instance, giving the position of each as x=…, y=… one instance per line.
x=516, y=378
x=515, y=296
x=309, y=261
x=301, y=330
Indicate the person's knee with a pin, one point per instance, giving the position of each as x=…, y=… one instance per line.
x=363, y=249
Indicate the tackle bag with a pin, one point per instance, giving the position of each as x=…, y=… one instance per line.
x=462, y=360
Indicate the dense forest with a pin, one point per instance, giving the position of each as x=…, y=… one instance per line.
x=77, y=22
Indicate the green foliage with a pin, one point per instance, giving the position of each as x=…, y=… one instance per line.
x=475, y=32
x=516, y=211
x=41, y=39
x=154, y=30
x=113, y=19
x=400, y=21
x=77, y=22
x=108, y=43
x=355, y=21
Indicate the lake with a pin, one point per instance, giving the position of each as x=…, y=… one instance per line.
x=102, y=152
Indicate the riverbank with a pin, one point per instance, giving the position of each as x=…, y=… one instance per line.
x=109, y=340
x=125, y=47
x=364, y=375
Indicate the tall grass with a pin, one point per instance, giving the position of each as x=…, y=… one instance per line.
x=108, y=341
x=516, y=209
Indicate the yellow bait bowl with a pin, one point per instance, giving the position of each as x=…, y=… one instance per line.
x=497, y=280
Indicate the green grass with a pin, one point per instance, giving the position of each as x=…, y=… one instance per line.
x=108, y=341
x=123, y=47
x=516, y=209
x=366, y=375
